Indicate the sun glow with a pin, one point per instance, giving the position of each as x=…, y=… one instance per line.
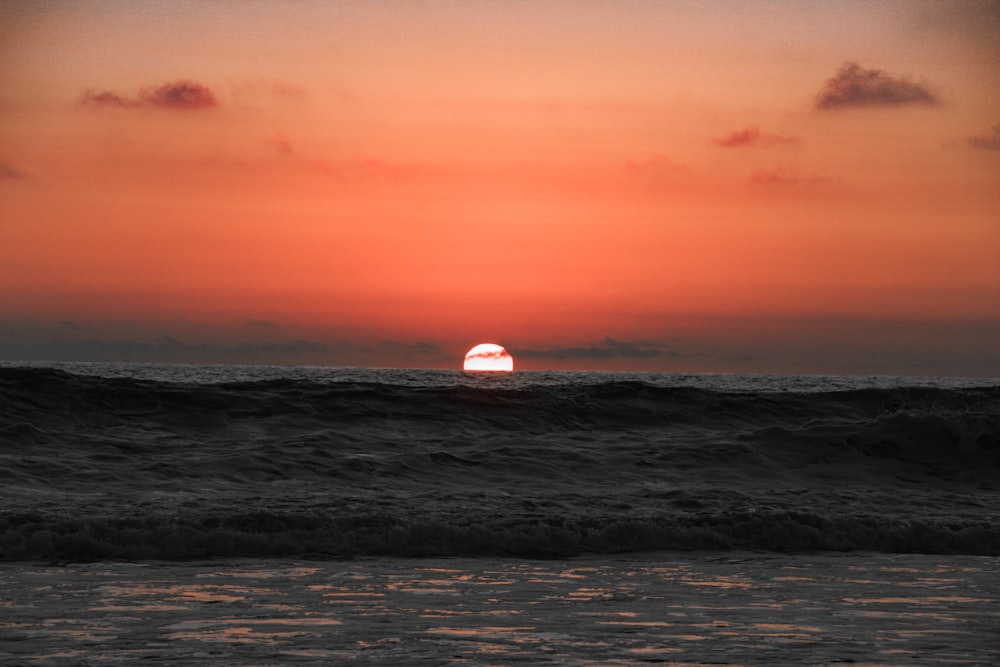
x=488, y=357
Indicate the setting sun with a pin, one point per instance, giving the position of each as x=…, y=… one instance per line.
x=488, y=357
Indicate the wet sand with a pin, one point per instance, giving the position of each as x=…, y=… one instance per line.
x=667, y=608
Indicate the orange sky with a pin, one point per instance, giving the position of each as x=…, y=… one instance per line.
x=697, y=186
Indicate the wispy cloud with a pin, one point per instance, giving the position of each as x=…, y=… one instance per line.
x=7, y=172
x=609, y=348
x=272, y=88
x=174, y=96
x=366, y=169
x=657, y=171
x=72, y=325
x=70, y=340
x=281, y=144
x=657, y=163
x=74, y=343
x=394, y=347
x=989, y=142
x=105, y=98
x=782, y=177
x=752, y=136
x=856, y=86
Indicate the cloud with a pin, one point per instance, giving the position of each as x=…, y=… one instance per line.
x=175, y=96
x=80, y=344
x=394, y=347
x=655, y=164
x=782, y=177
x=609, y=348
x=71, y=325
x=7, y=172
x=288, y=346
x=367, y=169
x=657, y=171
x=752, y=136
x=272, y=88
x=180, y=95
x=104, y=98
x=989, y=142
x=490, y=354
x=281, y=144
x=855, y=86
x=71, y=340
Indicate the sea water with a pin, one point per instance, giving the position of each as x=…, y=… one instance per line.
x=376, y=471
x=148, y=461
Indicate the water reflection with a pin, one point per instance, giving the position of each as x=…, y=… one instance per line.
x=753, y=610
x=245, y=630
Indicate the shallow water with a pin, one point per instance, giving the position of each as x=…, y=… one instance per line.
x=733, y=608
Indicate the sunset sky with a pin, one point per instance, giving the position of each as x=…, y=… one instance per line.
x=779, y=186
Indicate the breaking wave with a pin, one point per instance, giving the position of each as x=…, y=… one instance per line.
x=98, y=467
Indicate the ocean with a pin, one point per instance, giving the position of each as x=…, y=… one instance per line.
x=144, y=477
x=148, y=461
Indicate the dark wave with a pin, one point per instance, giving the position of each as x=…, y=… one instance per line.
x=95, y=467
x=266, y=534
x=904, y=422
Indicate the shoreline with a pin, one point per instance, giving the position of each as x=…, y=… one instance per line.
x=734, y=607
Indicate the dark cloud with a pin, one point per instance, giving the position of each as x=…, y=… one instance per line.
x=394, y=347
x=79, y=344
x=175, y=96
x=180, y=95
x=609, y=348
x=749, y=345
x=747, y=137
x=492, y=354
x=8, y=172
x=71, y=325
x=283, y=347
x=989, y=142
x=69, y=340
x=855, y=86
x=752, y=136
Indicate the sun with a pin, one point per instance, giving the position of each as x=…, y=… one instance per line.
x=488, y=357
